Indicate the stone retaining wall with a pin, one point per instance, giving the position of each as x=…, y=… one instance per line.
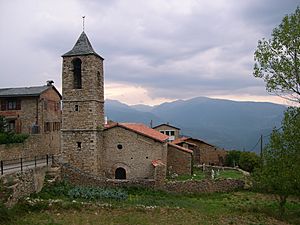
x=21, y=184
x=34, y=145
x=77, y=177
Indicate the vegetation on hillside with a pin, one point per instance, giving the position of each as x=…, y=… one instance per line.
x=146, y=206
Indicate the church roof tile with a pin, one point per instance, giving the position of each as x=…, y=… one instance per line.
x=82, y=47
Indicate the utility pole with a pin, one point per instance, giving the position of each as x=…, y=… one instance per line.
x=261, y=146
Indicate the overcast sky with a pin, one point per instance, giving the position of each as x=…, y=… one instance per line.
x=154, y=50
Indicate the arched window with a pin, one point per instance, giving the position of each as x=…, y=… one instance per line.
x=120, y=173
x=77, y=73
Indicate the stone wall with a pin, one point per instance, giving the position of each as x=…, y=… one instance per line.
x=204, y=186
x=34, y=145
x=208, y=154
x=89, y=98
x=179, y=161
x=22, y=184
x=131, y=151
x=81, y=178
x=79, y=148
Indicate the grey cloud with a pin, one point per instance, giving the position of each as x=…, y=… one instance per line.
x=203, y=49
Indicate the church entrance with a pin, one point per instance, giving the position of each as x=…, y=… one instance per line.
x=120, y=173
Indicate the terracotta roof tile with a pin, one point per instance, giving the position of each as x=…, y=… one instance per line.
x=180, y=148
x=179, y=140
x=157, y=162
x=141, y=129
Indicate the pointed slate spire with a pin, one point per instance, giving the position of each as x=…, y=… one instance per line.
x=82, y=47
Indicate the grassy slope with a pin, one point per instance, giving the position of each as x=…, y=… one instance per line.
x=154, y=207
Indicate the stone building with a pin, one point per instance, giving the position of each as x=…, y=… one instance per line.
x=167, y=129
x=203, y=151
x=117, y=150
x=31, y=109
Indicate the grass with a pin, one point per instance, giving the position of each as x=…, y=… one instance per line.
x=145, y=206
x=198, y=174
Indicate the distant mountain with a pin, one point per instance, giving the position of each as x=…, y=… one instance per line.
x=225, y=123
x=121, y=112
x=142, y=108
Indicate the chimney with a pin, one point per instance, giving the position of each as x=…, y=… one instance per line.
x=50, y=82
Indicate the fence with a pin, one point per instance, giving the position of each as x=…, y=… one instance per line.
x=14, y=165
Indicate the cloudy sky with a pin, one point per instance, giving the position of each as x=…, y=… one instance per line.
x=154, y=50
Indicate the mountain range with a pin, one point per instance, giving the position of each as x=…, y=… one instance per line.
x=224, y=123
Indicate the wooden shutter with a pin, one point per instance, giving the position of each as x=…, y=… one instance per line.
x=3, y=105
x=18, y=104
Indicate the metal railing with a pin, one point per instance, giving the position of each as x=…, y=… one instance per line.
x=21, y=164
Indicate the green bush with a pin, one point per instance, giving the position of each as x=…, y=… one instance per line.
x=249, y=161
x=91, y=193
x=58, y=189
x=9, y=138
x=4, y=213
x=232, y=158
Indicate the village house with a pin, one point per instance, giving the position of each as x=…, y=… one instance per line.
x=167, y=129
x=203, y=152
x=31, y=110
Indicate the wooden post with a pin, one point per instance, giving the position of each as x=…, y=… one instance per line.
x=2, y=168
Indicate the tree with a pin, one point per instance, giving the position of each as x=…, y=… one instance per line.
x=277, y=60
x=280, y=171
x=232, y=158
x=249, y=161
x=3, y=124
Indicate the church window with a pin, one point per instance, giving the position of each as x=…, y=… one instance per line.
x=76, y=108
x=78, y=144
x=77, y=73
x=119, y=146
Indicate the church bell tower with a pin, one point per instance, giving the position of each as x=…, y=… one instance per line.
x=82, y=105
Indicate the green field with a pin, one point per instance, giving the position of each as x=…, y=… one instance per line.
x=198, y=174
x=144, y=206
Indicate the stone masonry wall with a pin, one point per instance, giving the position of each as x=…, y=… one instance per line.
x=90, y=98
x=35, y=145
x=179, y=162
x=80, y=178
x=84, y=155
x=135, y=156
x=22, y=184
x=210, y=155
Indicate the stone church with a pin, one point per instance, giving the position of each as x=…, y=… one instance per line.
x=116, y=150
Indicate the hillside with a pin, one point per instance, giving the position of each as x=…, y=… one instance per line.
x=227, y=124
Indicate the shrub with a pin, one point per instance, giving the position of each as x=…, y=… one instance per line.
x=249, y=161
x=9, y=138
x=91, y=193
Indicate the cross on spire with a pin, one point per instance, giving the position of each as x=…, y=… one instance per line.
x=83, y=17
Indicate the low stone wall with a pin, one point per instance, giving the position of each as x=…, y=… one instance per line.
x=204, y=186
x=21, y=184
x=34, y=145
x=78, y=177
